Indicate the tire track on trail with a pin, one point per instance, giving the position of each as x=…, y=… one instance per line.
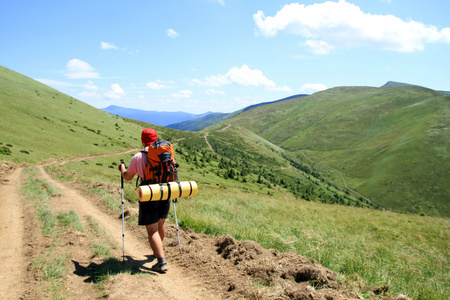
x=12, y=267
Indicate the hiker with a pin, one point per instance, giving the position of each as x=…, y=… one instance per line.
x=152, y=214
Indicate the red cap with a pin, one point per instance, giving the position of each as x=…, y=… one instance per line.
x=148, y=136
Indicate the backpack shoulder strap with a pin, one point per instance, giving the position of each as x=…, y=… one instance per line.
x=138, y=179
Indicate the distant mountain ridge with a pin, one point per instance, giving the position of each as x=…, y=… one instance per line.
x=208, y=120
x=271, y=102
x=160, y=118
x=203, y=122
x=401, y=84
x=195, y=122
x=396, y=84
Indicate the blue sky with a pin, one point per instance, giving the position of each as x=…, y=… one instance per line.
x=222, y=55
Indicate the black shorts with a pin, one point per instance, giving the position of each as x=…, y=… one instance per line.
x=150, y=212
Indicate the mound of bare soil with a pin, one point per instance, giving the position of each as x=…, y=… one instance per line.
x=247, y=270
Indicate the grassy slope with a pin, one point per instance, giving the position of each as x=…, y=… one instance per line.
x=274, y=167
x=390, y=144
x=200, y=123
x=49, y=124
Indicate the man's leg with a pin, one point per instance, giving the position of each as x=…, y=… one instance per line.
x=156, y=233
x=161, y=229
x=155, y=240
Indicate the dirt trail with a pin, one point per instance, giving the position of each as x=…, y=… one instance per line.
x=135, y=250
x=11, y=236
x=210, y=147
x=209, y=268
x=173, y=285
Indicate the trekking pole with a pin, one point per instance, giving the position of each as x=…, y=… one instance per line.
x=123, y=217
x=176, y=222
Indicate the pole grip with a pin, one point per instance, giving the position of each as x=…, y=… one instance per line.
x=121, y=177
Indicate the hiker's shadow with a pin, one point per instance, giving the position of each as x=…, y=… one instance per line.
x=112, y=266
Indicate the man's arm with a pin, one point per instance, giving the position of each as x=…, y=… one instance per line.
x=127, y=176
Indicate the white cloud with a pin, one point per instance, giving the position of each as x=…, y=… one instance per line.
x=91, y=86
x=172, y=33
x=211, y=92
x=116, y=92
x=215, y=80
x=106, y=46
x=183, y=94
x=242, y=76
x=78, y=69
x=319, y=47
x=310, y=88
x=248, y=77
x=342, y=24
x=159, y=85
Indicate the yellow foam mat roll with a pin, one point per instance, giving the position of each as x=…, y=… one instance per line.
x=169, y=190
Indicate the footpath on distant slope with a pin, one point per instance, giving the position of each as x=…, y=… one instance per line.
x=210, y=147
x=208, y=268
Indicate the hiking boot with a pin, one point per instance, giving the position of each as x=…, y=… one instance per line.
x=160, y=267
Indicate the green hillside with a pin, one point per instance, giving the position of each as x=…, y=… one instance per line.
x=200, y=123
x=39, y=123
x=389, y=144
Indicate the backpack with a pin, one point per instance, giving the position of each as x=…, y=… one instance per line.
x=161, y=166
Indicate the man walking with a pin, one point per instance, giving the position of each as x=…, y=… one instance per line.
x=152, y=214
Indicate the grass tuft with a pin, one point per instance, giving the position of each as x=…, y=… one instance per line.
x=52, y=265
x=69, y=220
x=45, y=215
x=101, y=249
